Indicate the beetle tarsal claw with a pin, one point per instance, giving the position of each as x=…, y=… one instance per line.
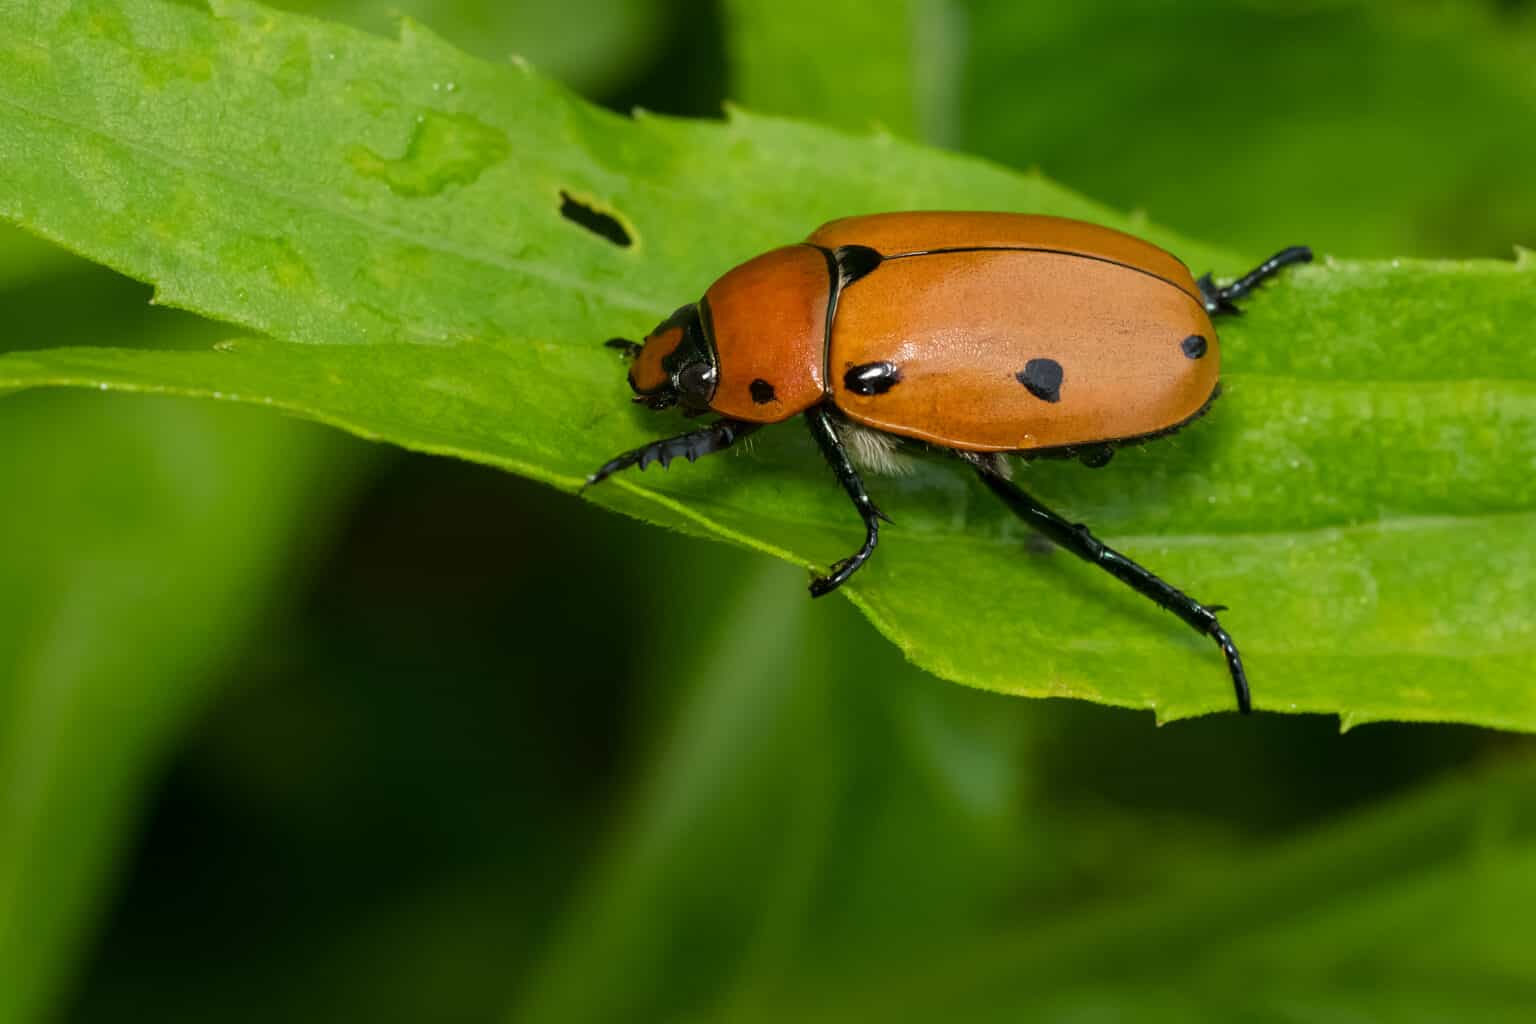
x=823, y=585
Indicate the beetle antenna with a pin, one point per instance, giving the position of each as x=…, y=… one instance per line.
x=1224, y=300
x=629, y=348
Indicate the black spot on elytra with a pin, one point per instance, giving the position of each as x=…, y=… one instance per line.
x=1194, y=346
x=872, y=378
x=1043, y=379
x=601, y=224
x=762, y=392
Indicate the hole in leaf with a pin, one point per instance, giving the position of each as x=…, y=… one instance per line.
x=603, y=225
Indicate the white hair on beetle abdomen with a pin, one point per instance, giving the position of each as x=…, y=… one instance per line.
x=879, y=452
x=873, y=450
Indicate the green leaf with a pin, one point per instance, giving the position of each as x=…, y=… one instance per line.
x=1413, y=912
x=901, y=74
x=144, y=538
x=828, y=777
x=613, y=35
x=24, y=259
x=1371, y=129
x=1361, y=498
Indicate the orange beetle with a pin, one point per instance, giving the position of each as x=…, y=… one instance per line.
x=976, y=333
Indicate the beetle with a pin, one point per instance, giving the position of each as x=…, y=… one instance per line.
x=979, y=334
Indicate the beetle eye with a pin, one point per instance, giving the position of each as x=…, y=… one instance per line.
x=696, y=384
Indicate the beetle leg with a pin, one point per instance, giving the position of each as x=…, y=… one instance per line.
x=1076, y=538
x=837, y=457
x=716, y=437
x=1224, y=300
x=995, y=463
x=1096, y=456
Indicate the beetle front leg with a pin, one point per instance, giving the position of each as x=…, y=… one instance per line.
x=1076, y=538
x=716, y=437
x=831, y=445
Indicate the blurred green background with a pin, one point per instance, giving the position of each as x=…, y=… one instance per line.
x=297, y=728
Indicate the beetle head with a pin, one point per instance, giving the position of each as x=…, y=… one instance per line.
x=676, y=365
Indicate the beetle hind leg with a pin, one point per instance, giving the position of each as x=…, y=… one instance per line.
x=825, y=433
x=995, y=463
x=1224, y=300
x=1076, y=538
